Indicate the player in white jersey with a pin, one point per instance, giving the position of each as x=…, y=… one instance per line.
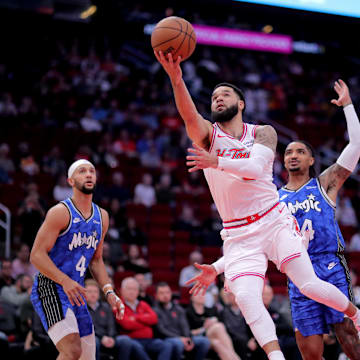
x=238, y=168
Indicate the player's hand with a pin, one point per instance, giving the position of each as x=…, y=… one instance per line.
x=117, y=306
x=74, y=291
x=344, y=95
x=172, y=68
x=203, y=280
x=201, y=159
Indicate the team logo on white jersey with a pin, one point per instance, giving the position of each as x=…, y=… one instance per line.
x=76, y=220
x=235, y=153
x=306, y=205
x=82, y=239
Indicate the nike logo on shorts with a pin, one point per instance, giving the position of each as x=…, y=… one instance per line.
x=331, y=265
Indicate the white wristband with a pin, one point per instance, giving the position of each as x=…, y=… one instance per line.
x=108, y=285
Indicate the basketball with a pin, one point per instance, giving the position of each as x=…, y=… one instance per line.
x=174, y=35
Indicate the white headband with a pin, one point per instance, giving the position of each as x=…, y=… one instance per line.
x=76, y=164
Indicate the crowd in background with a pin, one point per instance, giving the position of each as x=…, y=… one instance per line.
x=112, y=103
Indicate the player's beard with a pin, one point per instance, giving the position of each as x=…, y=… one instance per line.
x=84, y=189
x=225, y=115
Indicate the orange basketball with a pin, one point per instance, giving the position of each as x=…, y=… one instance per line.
x=174, y=35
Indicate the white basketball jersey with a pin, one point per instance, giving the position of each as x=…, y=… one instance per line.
x=237, y=197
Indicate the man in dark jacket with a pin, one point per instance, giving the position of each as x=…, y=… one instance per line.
x=173, y=325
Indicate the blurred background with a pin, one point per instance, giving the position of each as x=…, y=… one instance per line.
x=78, y=79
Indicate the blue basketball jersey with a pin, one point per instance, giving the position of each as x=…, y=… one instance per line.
x=71, y=253
x=75, y=247
x=315, y=212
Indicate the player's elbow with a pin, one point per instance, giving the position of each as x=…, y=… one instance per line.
x=33, y=257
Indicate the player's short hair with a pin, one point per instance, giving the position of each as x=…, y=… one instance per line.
x=312, y=171
x=238, y=91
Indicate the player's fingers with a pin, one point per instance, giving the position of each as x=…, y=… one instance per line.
x=335, y=102
x=70, y=299
x=75, y=300
x=162, y=57
x=170, y=58
x=193, y=169
x=191, y=163
x=178, y=61
x=203, y=290
x=157, y=56
x=342, y=83
x=193, y=151
x=199, y=266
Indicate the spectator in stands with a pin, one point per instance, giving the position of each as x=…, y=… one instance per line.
x=21, y=264
x=62, y=190
x=355, y=286
x=144, y=284
x=53, y=163
x=124, y=144
x=174, y=327
x=188, y=272
x=30, y=215
x=6, y=163
x=138, y=320
x=118, y=189
x=29, y=166
x=193, y=184
x=355, y=241
x=284, y=331
x=117, y=211
x=135, y=262
x=105, y=327
x=108, y=259
x=151, y=158
x=345, y=212
x=164, y=190
x=145, y=192
x=132, y=234
x=19, y=292
x=187, y=220
x=204, y=321
x=244, y=343
x=38, y=344
x=6, y=278
x=211, y=228
x=7, y=326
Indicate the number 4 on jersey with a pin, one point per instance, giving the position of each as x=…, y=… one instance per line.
x=80, y=266
x=307, y=226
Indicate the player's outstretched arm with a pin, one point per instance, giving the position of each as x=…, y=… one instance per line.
x=198, y=129
x=334, y=177
x=98, y=271
x=57, y=219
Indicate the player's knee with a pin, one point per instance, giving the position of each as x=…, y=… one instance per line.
x=73, y=351
x=309, y=289
x=249, y=305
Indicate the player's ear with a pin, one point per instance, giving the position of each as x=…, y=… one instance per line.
x=241, y=105
x=312, y=161
x=70, y=181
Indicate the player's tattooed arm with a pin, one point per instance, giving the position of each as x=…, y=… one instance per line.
x=266, y=135
x=333, y=178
